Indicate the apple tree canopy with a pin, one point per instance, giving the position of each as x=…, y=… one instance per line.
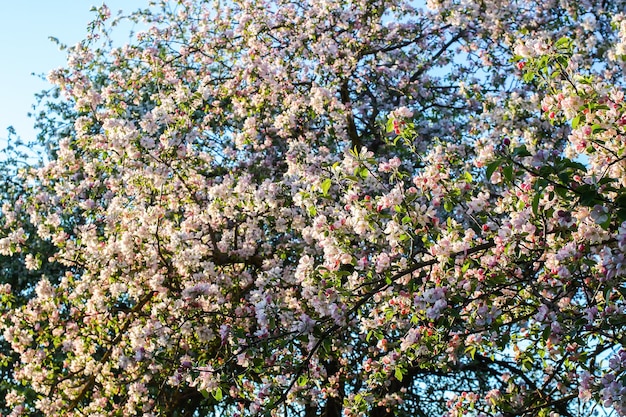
x=322, y=208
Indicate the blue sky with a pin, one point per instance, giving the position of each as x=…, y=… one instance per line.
x=25, y=48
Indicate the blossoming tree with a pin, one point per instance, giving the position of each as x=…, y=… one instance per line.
x=328, y=207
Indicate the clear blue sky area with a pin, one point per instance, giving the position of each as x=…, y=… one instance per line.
x=25, y=49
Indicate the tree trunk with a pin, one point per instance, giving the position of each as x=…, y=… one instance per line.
x=334, y=405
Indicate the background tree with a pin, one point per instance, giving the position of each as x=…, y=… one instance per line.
x=23, y=255
x=329, y=207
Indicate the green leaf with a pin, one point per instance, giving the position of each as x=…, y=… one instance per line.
x=607, y=180
x=507, y=170
x=521, y=151
x=492, y=167
x=325, y=186
x=597, y=129
x=217, y=394
x=389, y=125
x=205, y=394
x=562, y=42
x=529, y=76
x=574, y=164
x=561, y=191
x=527, y=364
x=535, y=203
x=471, y=350
x=575, y=122
x=398, y=374
x=564, y=177
x=546, y=333
x=621, y=200
x=588, y=195
x=302, y=380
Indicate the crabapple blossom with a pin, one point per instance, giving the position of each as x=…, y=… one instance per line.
x=329, y=208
